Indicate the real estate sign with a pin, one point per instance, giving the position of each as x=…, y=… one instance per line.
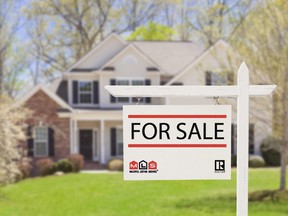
x=177, y=142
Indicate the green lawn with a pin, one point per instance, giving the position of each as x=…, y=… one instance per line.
x=107, y=194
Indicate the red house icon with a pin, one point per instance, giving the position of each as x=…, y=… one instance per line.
x=133, y=165
x=152, y=165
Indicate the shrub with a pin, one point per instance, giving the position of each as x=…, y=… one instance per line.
x=256, y=161
x=25, y=169
x=24, y=166
x=45, y=166
x=270, y=150
x=272, y=157
x=115, y=165
x=265, y=195
x=234, y=161
x=77, y=162
x=64, y=165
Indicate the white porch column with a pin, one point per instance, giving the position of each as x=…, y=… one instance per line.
x=75, y=136
x=102, y=142
x=71, y=136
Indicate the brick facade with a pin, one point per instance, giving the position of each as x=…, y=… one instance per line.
x=45, y=112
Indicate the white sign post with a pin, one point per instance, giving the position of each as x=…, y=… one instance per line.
x=177, y=142
x=242, y=91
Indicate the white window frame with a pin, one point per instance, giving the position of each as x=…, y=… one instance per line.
x=130, y=81
x=42, y=141
x=119, y=142
x=85, y=92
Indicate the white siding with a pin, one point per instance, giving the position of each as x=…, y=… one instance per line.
x=128, y=65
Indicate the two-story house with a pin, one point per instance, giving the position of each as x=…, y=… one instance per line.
x=77, y=115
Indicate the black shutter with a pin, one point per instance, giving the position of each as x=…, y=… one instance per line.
x=51, y=141
x=95, y=92
x=30, y=141
x=75, y=92
x=147, y=99
x=251, y=138
x=113, y=141
x=62, y=90
x=112, y=98
x=233, y=138
x=208, y=78
x=177, y=84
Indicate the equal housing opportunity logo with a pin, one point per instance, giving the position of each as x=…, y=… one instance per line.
x=143, y=167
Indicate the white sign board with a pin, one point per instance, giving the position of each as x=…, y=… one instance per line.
x=177, y=142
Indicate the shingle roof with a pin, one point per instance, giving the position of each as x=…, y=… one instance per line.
x=171, y=56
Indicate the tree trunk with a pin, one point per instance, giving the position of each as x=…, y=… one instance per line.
x=1, y=78
x=1, y=83
x=284, y=136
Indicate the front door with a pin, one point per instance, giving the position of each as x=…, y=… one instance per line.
x=86, y=144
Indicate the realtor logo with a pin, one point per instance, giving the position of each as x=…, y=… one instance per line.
x=219, y=166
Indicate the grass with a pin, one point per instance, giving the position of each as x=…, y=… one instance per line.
x=108, y=194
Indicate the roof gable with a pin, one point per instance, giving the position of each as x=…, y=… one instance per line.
x=105, y=50
x=136, y=51
x=48, y=92
x=172, y=56
x=211, y=49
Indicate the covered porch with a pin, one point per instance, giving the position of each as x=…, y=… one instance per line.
x=96, y=134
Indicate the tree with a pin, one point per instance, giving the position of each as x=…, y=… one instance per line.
x=15, y=66
x=217, y=19
x=11, y=133
x=129, y=14
x=152, y=31
x=63, y=31
x=262, y=39
x=9, y=25
x=205, y=21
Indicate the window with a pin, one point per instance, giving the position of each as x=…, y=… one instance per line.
x=122, y=99
x=85, y=92
x=128, y=82
x=119, y=142
x=218, y=79
x=41, y=141
x=137, y=82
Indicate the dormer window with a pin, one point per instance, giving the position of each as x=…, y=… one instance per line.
x=85, y=92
